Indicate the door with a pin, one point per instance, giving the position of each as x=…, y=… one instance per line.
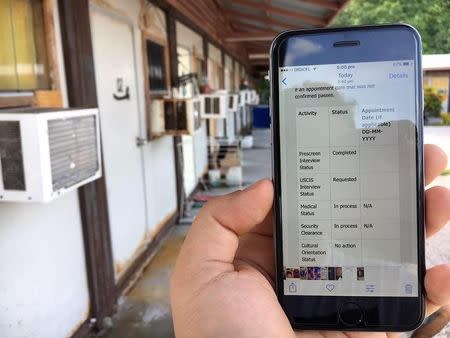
x=115, y=75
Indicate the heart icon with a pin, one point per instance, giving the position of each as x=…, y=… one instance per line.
x=330, y=287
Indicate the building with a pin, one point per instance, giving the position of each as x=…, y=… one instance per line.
x=436, y=74
x=64, y=263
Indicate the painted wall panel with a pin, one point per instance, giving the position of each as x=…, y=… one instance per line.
x=43, y=289
x=158, y=155
x=189, y=176
x=201, y=150
x=160, y=180
x=189, y=39
x=119, y=128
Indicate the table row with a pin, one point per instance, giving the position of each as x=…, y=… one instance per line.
x=341, y=126
x=349, y=229
x=348, y=209
x=312, y=187
x=348, y=159
x=356, y=252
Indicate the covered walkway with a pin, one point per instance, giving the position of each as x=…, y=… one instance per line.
x=145, y=310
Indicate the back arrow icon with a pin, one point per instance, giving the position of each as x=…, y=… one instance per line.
x=284, y=81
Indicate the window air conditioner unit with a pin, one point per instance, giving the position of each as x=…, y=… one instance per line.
x=238, y=120
x=248, y=96
x=233, y=102
x=214, y=106
x=182, y=116
x=252, y=98
x=156, y=118
x=255, y=97
x=242, y=98
x=45, y=153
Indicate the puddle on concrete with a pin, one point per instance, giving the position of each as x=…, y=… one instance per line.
x=145, y=310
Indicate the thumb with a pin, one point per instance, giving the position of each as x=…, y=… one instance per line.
x=214, y=236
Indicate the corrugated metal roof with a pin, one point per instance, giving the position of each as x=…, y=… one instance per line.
x=255, y=23
x=436, y=62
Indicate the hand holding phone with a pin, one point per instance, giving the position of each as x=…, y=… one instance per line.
x=223, y=281
x=348, y=172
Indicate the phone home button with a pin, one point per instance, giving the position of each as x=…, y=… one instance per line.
x=350, y=314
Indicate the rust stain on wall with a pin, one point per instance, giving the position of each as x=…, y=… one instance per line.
x=104, y=4
x=154, y=280
x=121, y=266
x=86, y=315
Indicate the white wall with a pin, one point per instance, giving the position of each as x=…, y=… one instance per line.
x=189, y=39
x=195, y=158
x=160, y=180
x=195, y=152
x=189, y=176
x=158, y=155
x=201, y=150
x=43, y=284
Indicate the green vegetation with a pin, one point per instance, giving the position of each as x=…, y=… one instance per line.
x=446, y=119
x=430, y=17
x=446, y=172
x=433, y=103
x=264, y=91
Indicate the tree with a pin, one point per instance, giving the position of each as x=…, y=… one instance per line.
x=430, y=17
x=432, y=102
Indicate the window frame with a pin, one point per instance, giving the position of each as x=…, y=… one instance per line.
x=145, y=36
x=31, y=98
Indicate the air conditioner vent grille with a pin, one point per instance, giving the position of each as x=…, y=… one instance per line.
x=197, y=117
x=11, y=156
x=73, y=150
x=216, y=107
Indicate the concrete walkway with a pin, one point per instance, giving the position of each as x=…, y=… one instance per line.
x=145, y=310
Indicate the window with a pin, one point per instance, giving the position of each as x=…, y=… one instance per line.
x=23, y=52
x=184, y=60
x=156, y=62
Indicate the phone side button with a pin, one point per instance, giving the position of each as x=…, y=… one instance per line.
x=350, y=314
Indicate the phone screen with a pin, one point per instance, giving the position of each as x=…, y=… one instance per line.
x=349, y=178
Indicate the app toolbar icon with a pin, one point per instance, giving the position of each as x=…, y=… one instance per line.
x=408, y=289
x=292, y=288
x=370, y=288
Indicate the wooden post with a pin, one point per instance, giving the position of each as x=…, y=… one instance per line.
x=205, y=57
x=178, y=150
x=80, y=75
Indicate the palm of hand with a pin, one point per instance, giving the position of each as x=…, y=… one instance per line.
x=223, y=280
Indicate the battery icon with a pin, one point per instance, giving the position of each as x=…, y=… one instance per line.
x=405, y=63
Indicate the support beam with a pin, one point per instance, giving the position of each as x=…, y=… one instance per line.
x=262, y=62
x=258, y=36
x=331, y=5
x=177, y=149
x=312, y=20
x=226, y=19
x=237, y=25
x=259, y=19
x=258, y=50
x=258, y=56
x=183, y=12
x=82, y=92
x=205, y=57
x=339, y=11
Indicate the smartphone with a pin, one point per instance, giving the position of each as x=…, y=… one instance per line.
x=346, y=108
